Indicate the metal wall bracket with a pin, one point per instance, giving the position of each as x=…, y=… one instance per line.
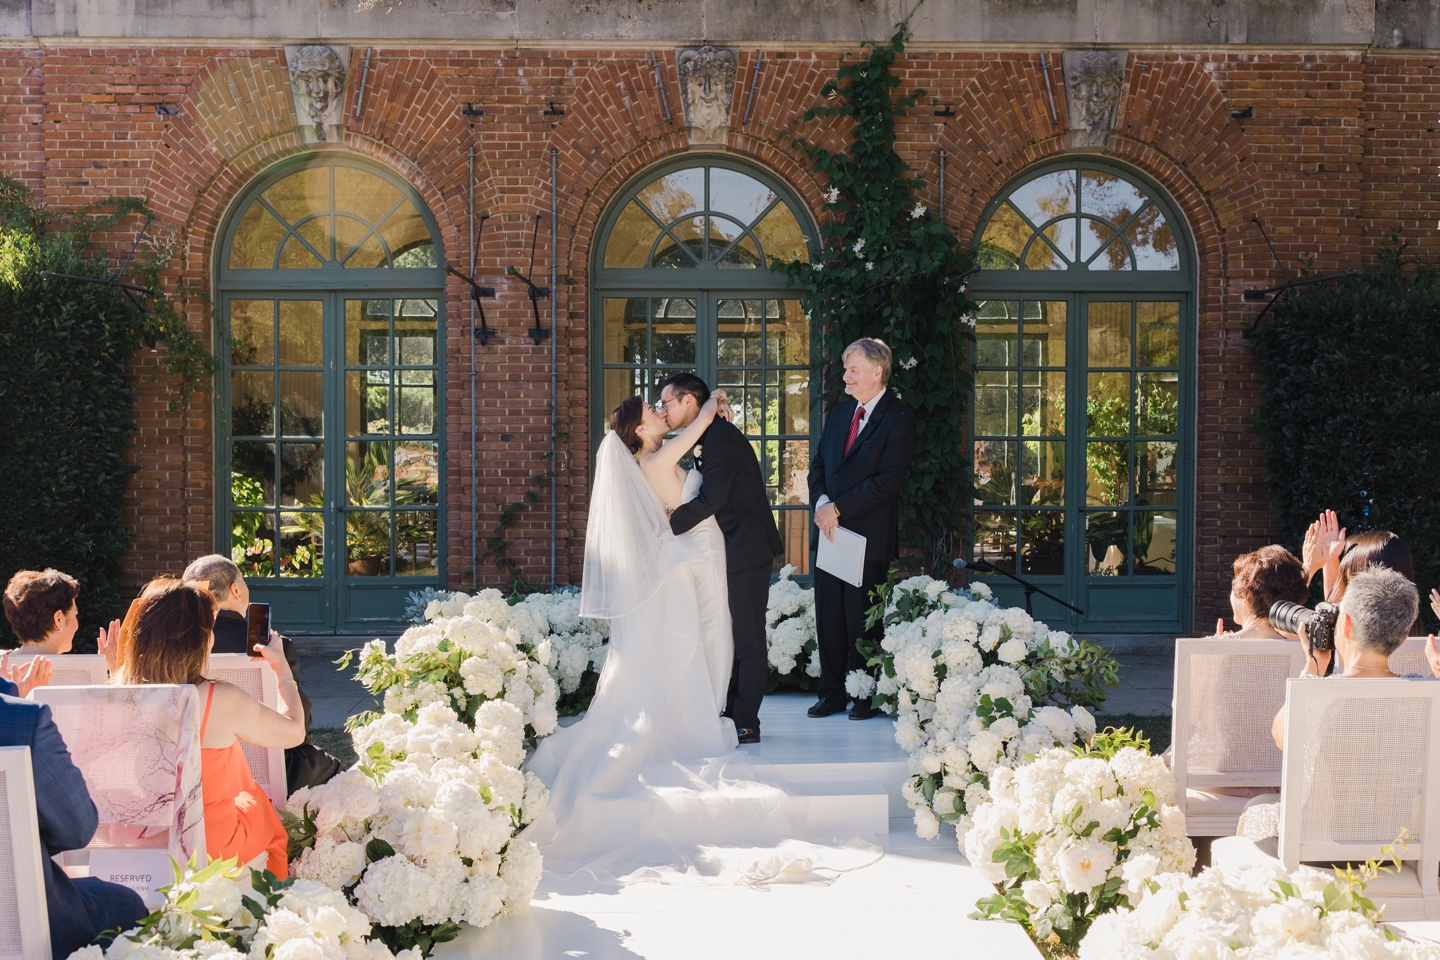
x=553, y=111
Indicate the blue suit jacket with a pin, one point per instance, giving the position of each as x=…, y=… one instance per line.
x=66, y=814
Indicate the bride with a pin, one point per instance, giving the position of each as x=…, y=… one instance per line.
x=649, y=783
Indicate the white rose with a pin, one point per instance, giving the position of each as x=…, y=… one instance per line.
x=1012, y=650
x=1083, y=866
x=1137, y=870
x=1037, y=893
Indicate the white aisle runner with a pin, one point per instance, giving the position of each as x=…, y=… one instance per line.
x=915, y=900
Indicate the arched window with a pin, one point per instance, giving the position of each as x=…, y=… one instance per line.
x=330, y=464
x=681, y=282
x=1084, y=373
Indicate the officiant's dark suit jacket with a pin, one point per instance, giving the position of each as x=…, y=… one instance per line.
x=865, y=484
x=733, y=492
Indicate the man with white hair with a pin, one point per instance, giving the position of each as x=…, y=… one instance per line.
x=855, y=477
x=306, y=765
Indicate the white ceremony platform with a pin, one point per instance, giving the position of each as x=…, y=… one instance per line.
x=915, y=900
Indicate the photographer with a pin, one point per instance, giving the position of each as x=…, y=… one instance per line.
x=1376, y=612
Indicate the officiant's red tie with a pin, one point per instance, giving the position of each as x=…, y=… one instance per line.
x=854, y=429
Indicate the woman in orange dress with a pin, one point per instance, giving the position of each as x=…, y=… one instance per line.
x=166, y=638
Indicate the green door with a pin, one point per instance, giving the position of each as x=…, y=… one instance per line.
x=681, y=284
x=331, y=452
x=1083, y=369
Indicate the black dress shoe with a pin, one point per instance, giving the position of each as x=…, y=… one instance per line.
x=862, y=710
x=824, y=708
x=748, y=734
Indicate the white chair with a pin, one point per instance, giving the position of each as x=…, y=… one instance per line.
x=1227, y=693
x=1352, y=783
x=257, y=678
x=1409, y=659
x=69, y=669
x=138, y=748
x=24, y=922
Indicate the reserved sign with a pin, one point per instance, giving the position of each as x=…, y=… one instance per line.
x=143, y=871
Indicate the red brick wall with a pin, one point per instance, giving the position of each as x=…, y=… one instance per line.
x=1335, y=156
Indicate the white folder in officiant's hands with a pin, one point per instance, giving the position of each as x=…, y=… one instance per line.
x=843, y=557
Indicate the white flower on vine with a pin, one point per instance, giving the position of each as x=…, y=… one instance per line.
x=859, y=246
x=817, y=266
x=918, y=212
x=910, y=364
x=869, y=264
x=968, y=320
x=832, y=195
x=807, y=316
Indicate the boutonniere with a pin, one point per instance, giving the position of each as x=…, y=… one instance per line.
x=699, y=451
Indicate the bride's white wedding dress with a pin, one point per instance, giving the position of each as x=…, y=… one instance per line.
x=649, y=783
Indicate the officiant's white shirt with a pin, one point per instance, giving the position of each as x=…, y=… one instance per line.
x=864, y=422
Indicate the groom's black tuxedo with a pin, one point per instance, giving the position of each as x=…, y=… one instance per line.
x=733, y=492
x=864, y=485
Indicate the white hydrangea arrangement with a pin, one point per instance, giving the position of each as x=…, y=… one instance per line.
x=225, y=913
x=422, y=833
x=1258, y=911
x=974, y=688
x=1076, y=833
x=790, y=634
x=548, y=627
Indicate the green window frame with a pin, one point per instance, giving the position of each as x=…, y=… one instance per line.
x=1084, y=371
x=330, y=460
x=680, y=282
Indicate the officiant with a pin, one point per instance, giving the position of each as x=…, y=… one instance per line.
x=855, y=477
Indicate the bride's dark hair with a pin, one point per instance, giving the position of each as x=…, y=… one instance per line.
x=626, y=419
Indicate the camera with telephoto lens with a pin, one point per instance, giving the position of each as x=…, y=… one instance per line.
x=1319, y=623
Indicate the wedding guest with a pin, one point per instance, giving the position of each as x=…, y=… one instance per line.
x=166, y=638
x=306, y=765
x=1375, y=617
x=1262, y=578
x=855, y=477
x=41, y=608
x=80, y=910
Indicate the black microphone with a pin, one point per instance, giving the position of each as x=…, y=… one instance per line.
x=984, y=566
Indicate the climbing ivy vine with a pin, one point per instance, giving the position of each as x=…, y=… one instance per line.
x=66, y=356
x=889, y=268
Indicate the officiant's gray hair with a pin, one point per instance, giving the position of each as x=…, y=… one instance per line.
x=876, y=352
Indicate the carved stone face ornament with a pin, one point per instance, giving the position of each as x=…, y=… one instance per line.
x=707, y=76
x=1094, y=83
x=317, y=75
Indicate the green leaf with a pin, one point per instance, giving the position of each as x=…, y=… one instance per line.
x=378, y=849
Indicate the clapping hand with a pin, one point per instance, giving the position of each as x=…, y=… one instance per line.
x=1432, y=653
x=108, y=643
x=1220, y=627
x=34, y=674
x=1324, y=540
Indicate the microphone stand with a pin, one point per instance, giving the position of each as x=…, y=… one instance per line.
x=985, y=566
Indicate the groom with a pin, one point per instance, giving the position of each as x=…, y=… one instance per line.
x=733, y=492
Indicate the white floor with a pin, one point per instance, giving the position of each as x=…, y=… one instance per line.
x=914, y=901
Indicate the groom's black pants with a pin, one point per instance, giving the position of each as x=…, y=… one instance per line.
x=749, y=595
x=840, y=610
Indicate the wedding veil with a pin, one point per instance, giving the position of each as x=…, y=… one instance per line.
x=626, y=560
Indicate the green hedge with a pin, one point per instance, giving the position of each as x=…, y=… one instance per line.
x=67, y=411
x=1352, y=387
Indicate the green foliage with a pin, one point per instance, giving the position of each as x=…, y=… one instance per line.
x=887, y=269
x=65, y=349
x=1351, y=374
x=1109, y=742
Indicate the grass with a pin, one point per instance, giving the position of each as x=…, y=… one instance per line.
x=1154, y=729
x=336, y=742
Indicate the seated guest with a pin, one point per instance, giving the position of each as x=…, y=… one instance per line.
x=79, y=910
x=1261, y=578
x=42, y=610
x=306, y=765
x=166, y=638
x=1375, y=617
